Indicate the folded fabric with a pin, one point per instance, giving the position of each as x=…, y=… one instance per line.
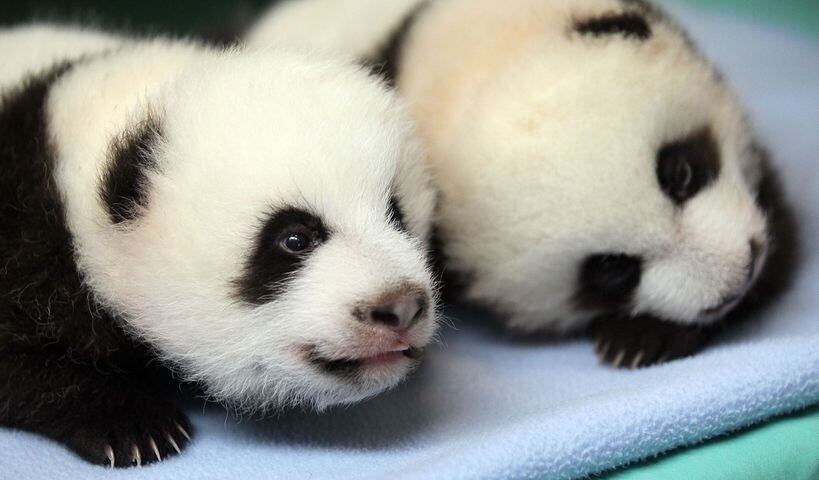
x=483, y=406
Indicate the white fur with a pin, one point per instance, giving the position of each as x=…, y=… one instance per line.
x=242, y=134
x=342, y=27
x=29, y=49
x=543, y=143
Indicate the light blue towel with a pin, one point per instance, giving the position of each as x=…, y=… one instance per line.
x=483, y=407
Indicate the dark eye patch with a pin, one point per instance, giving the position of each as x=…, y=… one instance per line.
x=396, y=215
x=686, y=166
x=627, y=24
x=608, y=280
x=124, y=185
x=270, y=266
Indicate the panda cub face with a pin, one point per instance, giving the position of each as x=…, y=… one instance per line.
x=644, y=201
x=270, y=241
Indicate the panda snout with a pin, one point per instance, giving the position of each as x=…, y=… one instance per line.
x=396, y=310
x=757, y=252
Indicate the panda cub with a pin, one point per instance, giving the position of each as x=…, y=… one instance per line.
x=253, y=222
x=595, y=170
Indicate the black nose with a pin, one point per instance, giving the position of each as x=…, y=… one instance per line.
x=397, y=310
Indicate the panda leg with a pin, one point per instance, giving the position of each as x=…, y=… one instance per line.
x=633, y=342
x=108, y=418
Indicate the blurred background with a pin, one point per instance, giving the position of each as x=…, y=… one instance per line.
x=192, y=17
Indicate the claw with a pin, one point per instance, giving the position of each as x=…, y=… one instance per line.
x=183, y=432
x=598, y=342
x=637, y=358
x=137, y=456
x=619, y=358
x=663, y=358
x=173, y=443
x=109, y=452
x=152, y=443
x=603, y=351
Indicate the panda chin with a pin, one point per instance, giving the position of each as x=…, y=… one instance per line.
x=713, y=314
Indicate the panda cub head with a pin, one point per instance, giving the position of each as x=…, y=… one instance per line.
x=629, y=177
x=263, y=225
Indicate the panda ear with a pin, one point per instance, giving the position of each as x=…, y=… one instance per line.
x=627, y=24
x=124, y=186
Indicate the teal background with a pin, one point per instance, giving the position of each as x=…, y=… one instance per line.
x=802, y=15
x=190, y=16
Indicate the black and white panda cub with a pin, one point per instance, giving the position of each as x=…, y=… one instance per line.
x=595, y=170
x=255, y=221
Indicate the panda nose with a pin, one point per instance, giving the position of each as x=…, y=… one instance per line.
x=397, y=310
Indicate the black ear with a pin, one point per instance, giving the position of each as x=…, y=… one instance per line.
x=626, y=24
x=124, y=185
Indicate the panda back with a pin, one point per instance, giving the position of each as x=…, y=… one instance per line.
x=29, y=49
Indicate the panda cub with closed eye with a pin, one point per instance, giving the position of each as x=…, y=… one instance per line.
x=594, y=169
x=255, y=221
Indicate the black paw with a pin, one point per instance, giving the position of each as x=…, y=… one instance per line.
x=634, y=342
x=132, y=438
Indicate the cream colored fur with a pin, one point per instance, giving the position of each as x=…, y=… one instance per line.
x=543, y=143
x=345, y=27
x=242, y=134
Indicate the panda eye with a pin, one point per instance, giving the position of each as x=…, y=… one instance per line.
x=687, y=166
x=280, y=248
x=678, y=176
x=296, y=242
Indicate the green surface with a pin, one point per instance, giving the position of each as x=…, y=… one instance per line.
x=802, y=15
x=786, y=449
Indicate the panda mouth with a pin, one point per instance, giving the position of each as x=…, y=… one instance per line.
x=352, y=366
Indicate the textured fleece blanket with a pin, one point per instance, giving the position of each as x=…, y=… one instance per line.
x=486, y=407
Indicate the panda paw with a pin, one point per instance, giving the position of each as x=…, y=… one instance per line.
x=634, y=342
x=132, y=439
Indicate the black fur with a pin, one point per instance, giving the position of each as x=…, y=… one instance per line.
x=396, y=214
x=67, y=369
x=698, y=152
x=632, y=342
x=454, y=283
x=124, y=188
x=386, y=62
x=607, y=281
x=655, y=14
x=269, y=267
x=627, y=24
